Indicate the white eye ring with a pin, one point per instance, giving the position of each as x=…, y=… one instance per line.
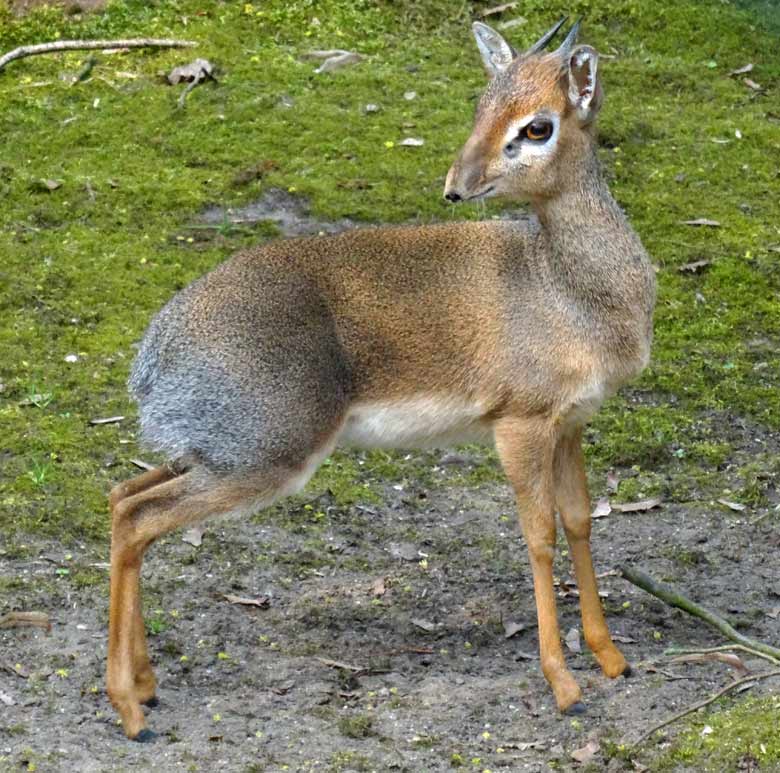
x=518, y=146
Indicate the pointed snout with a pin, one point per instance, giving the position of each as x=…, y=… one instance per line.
x=467, y=176
x=451, y=190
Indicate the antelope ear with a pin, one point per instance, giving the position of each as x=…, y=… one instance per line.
x=497, y=54
x=585, y=93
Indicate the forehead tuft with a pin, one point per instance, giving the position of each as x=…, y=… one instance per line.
x=528, y=85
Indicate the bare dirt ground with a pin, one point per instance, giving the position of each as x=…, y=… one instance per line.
x=392, y=636
x=246, y=688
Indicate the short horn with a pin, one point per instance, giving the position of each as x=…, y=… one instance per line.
x=569, y=41
x=543, y=41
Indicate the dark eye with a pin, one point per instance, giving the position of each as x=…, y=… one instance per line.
x=538, y=131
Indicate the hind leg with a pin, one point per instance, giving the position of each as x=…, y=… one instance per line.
x=139, y=520
x=145, y=682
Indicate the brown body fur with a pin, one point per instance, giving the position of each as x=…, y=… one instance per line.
x=516, y=330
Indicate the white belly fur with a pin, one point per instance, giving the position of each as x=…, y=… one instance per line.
x=417, y=422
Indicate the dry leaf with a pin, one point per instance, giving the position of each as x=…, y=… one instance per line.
x=637, y=507
x=410, y=95
x=412, y=142
x=511, y=628
x=572, y=640
x=405, y=550
x=109, y=420
x=623, y=639
x=742, y=70
x=46, y=185
x=261, y=601
x=695, y=267
x=21, y=619
x=586, y=753
x=703, y=221
x=602, y=509
x=16, y=670
x=335, y=59
x=751, y=84
x=197, y=71
x=497, y=10
x=774, y=614
x=425, y=625
x=736, y=506
x=378, y=588
x=193, y=537
x=612, y=482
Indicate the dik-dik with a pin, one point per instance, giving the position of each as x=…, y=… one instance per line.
x=506, y=332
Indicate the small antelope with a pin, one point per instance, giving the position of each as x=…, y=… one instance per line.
x=397, y=337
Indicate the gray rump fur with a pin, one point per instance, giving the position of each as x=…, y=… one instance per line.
x=241, y=370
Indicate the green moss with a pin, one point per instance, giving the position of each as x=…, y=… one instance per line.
x=741, y=737
x=86, y=265
x=357, y=726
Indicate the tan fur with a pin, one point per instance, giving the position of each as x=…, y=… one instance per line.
x=417, y=335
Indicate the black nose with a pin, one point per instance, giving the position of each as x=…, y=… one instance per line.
x=453, y=197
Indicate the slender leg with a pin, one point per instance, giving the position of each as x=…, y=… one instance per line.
x=145, y=683
x=573, y=501
x=138, y=521
x=526, y=449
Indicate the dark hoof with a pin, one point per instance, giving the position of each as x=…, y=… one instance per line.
x=576, y=708
x=627, y=671
x=154, y=701
x=145, y=736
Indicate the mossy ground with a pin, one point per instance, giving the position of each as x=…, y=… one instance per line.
x=88, y=258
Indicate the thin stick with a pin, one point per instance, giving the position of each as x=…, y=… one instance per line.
x=83, y=45
x=724, y=648
x=705, y=702
x=675, y=599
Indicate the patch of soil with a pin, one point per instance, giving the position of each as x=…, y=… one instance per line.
x=22, y=7
x=246, y=688
x=291, y=214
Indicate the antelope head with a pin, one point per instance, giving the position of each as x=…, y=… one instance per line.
x=534, y=124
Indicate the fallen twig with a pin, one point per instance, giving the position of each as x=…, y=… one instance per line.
x=140, y=463
x=20, y=619
x=355, y=670
x=83, y=45
x=724, y=648
x=340, y=664
x=675, y=599
x=705, y=702
x=729, y=658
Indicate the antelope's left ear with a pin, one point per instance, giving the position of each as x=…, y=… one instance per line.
x=585, y=93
